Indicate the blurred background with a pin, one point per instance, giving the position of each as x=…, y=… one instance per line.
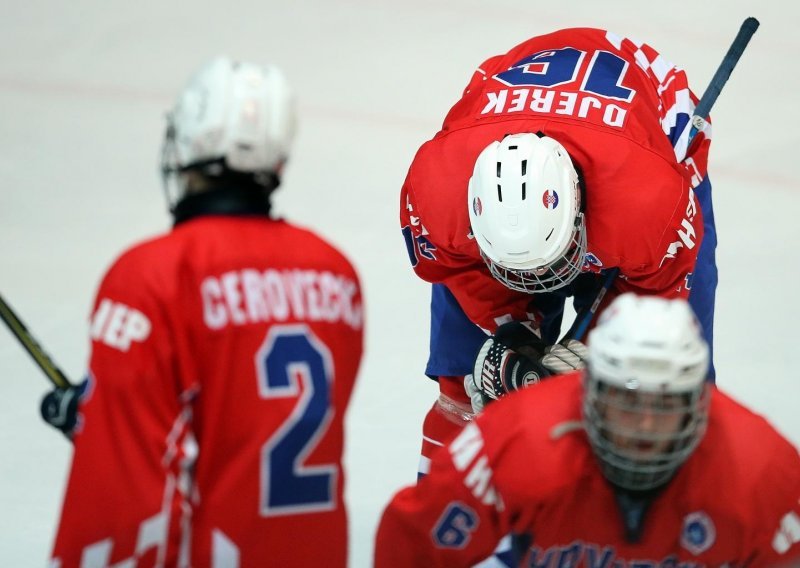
x=84, y=86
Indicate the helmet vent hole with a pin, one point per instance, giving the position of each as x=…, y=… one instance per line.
x=512, y=147
x=499, y=193
x=523, y=191
x=499, y=167
x=524, y=166
x=550, y=234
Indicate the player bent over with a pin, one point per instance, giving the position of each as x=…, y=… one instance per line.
x=564, y=159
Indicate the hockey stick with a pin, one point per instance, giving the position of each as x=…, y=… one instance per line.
x=701, y=112
x=43, y=360
x=585, y=316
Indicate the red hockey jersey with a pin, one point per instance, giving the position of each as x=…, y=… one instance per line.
x=619, y=109
x=211, y=434
x=525, y=466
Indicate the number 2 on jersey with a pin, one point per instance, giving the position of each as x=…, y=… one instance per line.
x=294, y=363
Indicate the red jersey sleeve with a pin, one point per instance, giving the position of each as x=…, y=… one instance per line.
x=669, y=277
x=775, y=518
x=673, y=259
x=446, y=254
x=482, y=487
x=125, y=414
x=453, y=517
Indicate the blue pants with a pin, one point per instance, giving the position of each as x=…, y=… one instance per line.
x=455, y=340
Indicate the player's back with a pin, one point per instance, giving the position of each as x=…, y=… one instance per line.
x=275, y=337
x=223, y=358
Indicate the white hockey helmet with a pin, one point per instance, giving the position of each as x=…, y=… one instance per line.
x=524, y=206
x=230, y=117
x=646, y=395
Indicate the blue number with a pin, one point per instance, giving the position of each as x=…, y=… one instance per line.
x=455, y=526
x=605, y=75
x=554, y=67
x=292, y=362
x=544, y=69
x=418, y=245
x=409, y=239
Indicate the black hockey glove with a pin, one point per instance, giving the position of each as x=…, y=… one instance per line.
x=507, y=361
x=60, y=408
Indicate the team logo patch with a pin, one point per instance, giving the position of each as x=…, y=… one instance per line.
x=530, y=378
x=477, y=206
x=550, y=199
x=591, y=264
x=698, y=533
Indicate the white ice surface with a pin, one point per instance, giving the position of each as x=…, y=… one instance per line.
x=83, y=88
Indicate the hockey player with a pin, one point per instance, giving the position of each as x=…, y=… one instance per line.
x=223, y=357
x=638, y=461
x=564, y=158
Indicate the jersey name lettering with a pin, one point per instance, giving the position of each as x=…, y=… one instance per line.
x=118, y=325
x=559, y=103
x=595, y=556
x=466, y=451
x=251, y=296
x=686, y=234
x=564, y=85
x=788, y=533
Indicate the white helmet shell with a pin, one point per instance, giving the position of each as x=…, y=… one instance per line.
x=648, y=343
x=646, y=397
x=240, y=112
x=525, y=211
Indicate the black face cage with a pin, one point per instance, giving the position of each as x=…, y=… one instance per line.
x=638, y=470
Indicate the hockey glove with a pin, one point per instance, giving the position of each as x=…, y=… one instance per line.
x=60, y=408
x=507, y=361
x=566, y=357
x=476, y=396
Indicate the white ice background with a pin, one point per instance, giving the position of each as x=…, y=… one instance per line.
x=83, y=89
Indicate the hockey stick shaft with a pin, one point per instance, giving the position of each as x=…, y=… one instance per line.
x=701, y=112
x=42, y=359
x=585, y=316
